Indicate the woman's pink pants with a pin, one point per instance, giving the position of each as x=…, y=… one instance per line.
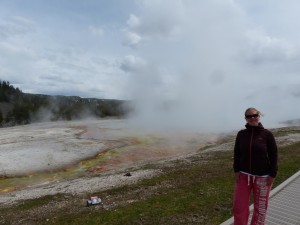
x=261, y=191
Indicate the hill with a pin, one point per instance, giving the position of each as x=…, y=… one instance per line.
x=18, y=108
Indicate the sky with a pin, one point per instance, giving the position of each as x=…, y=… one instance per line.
x=200, y=63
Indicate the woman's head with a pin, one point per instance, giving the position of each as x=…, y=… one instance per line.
x=252, y=116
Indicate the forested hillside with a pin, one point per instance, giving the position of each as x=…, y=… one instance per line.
x=18, y=108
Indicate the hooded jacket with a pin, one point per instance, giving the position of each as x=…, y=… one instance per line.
x=255, y=151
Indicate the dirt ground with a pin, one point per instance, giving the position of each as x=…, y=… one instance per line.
x=84, y=156
x=73, y=160
x=87, y=156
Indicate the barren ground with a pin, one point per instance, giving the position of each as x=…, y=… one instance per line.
x=73, y=160
x=84, y=156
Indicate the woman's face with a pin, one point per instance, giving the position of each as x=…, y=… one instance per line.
x=252, y=117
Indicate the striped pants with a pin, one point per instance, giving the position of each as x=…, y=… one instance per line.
x=243, y=189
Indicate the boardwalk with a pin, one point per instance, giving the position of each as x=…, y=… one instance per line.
x=284, y=204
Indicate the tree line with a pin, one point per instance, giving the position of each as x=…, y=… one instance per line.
x=18, y=108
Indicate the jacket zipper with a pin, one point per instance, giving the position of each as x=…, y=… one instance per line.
x=250, y=151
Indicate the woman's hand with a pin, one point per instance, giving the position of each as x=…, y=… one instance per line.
x=270, y=181
x=237, y=177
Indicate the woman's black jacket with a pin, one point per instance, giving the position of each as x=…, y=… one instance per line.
x=255, y=151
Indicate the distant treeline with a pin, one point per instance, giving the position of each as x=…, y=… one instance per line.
x=18, y=108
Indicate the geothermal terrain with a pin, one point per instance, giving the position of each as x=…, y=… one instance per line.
x=48, y=169
x=85, y=156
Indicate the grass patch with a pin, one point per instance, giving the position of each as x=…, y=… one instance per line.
x=288, y=162
x=199, y=193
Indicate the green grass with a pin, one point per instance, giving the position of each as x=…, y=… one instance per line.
x=288, y=162
x=202, y=192
x=195, y=193
x=286, y=130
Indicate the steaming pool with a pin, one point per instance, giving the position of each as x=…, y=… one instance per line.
x=52, y=151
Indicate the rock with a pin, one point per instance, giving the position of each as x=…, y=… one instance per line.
x=127, y=174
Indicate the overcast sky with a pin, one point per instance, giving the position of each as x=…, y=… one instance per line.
x=209, y=59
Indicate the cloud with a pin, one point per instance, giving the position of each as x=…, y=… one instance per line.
x=153, y=22
x=133, y=21
x=132, y=39
x=132, y=63
x=9, y=49
x=14, y=26
x=36, y=60
x=295, y=90
x=78, y=73
x=63, y=71
x=98, y=31
x=262, y=49
x=198, y=63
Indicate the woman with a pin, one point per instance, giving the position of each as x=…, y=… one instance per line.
x=255, y=167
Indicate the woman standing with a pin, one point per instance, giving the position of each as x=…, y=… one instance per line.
x=255, y=167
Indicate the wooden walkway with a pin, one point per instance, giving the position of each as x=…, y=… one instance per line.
x=284, y=204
